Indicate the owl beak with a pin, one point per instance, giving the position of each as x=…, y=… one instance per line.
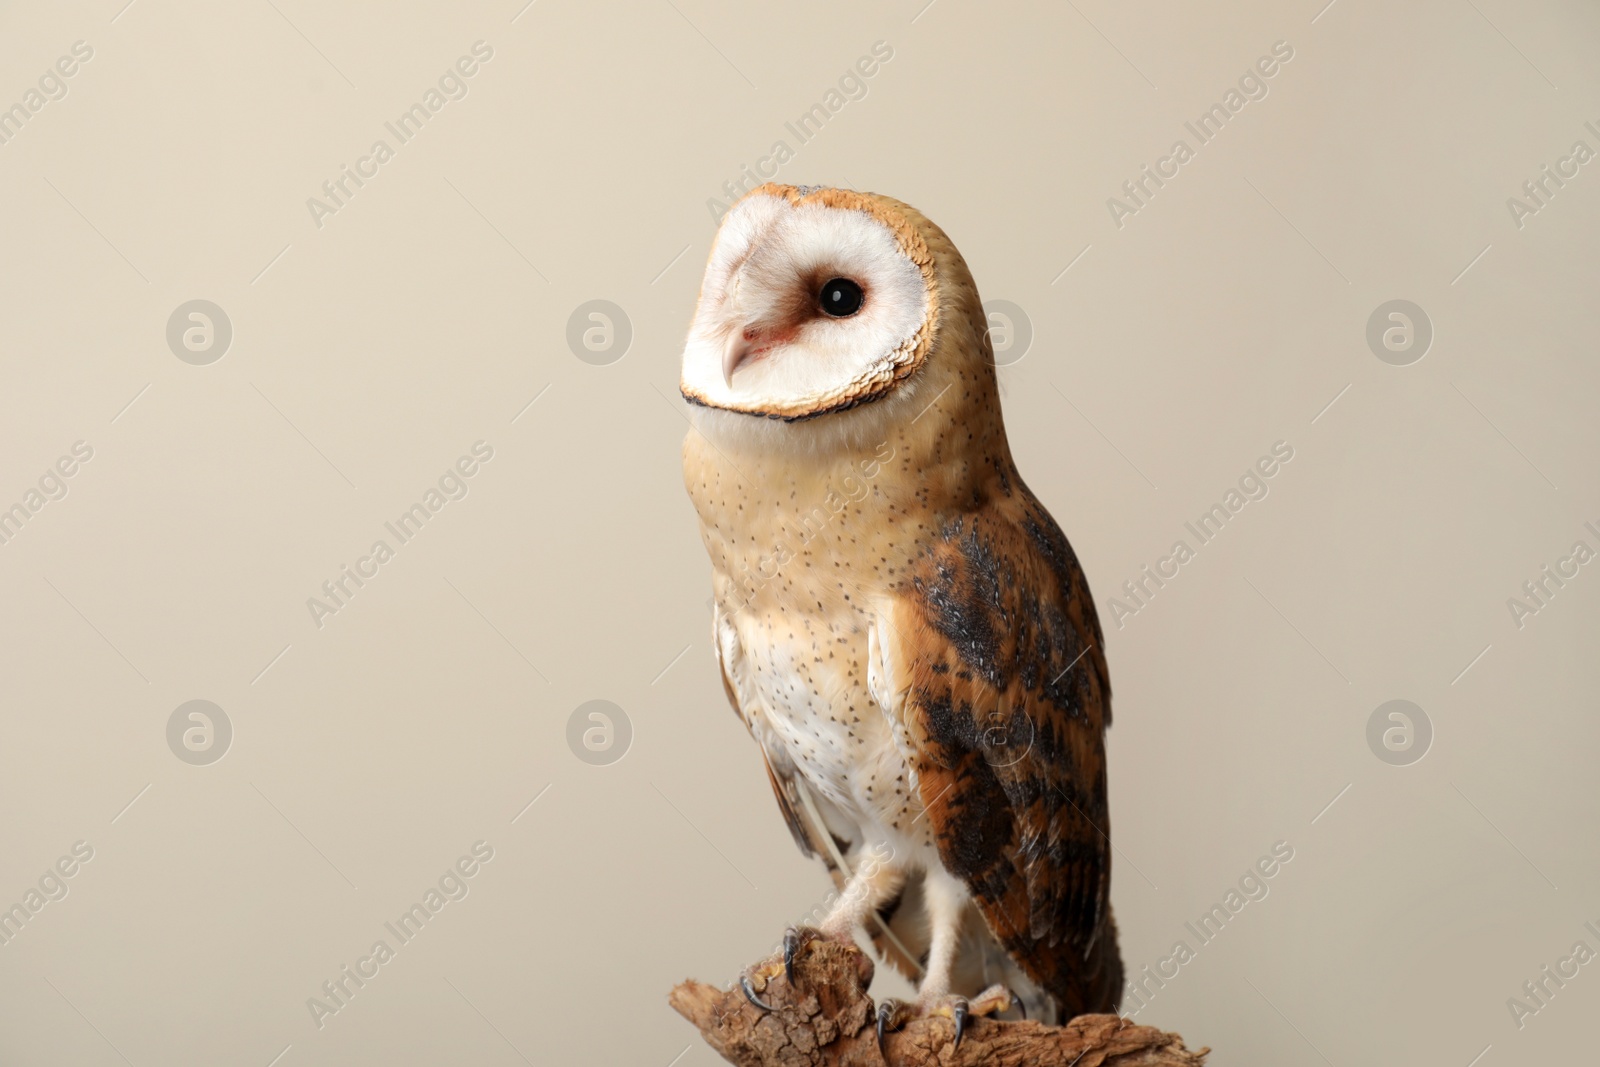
x=739, y=348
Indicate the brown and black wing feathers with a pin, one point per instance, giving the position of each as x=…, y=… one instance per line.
x=1007, y=706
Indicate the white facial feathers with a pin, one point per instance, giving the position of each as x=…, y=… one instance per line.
x=761, y=342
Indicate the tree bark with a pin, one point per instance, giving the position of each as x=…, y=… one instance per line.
x=827, y=1019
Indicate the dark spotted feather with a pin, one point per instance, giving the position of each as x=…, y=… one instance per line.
x=1007, y=706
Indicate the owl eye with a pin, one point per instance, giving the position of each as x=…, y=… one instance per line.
x=841, y=298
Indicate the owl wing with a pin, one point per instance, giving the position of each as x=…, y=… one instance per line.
x=784, y=787
x=996, y=655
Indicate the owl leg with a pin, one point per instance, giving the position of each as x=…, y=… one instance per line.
x=874, y=883
x=947, y=900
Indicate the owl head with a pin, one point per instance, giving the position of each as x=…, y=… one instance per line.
x=826, y=306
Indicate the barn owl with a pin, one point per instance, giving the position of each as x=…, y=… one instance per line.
x=901, y=626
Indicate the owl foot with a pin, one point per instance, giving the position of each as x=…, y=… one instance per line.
x=892, y=1015
x=991, y=1002
x=795, y=940
x=754, y=980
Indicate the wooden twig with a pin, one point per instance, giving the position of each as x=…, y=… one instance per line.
x=827, y=1019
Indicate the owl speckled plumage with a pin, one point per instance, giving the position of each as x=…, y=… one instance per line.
x=901, y=625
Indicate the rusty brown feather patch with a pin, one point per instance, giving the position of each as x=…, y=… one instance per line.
x=1008, y=702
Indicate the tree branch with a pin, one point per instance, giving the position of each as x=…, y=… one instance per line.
x=827, y=1019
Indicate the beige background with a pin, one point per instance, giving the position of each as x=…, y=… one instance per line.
x=424, y=316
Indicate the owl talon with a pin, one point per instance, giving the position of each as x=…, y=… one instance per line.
x=791, y=942
x=750, y=993
x=958, y=1013
x=962, y=1012
x=887, y=1010
x=794, y=939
